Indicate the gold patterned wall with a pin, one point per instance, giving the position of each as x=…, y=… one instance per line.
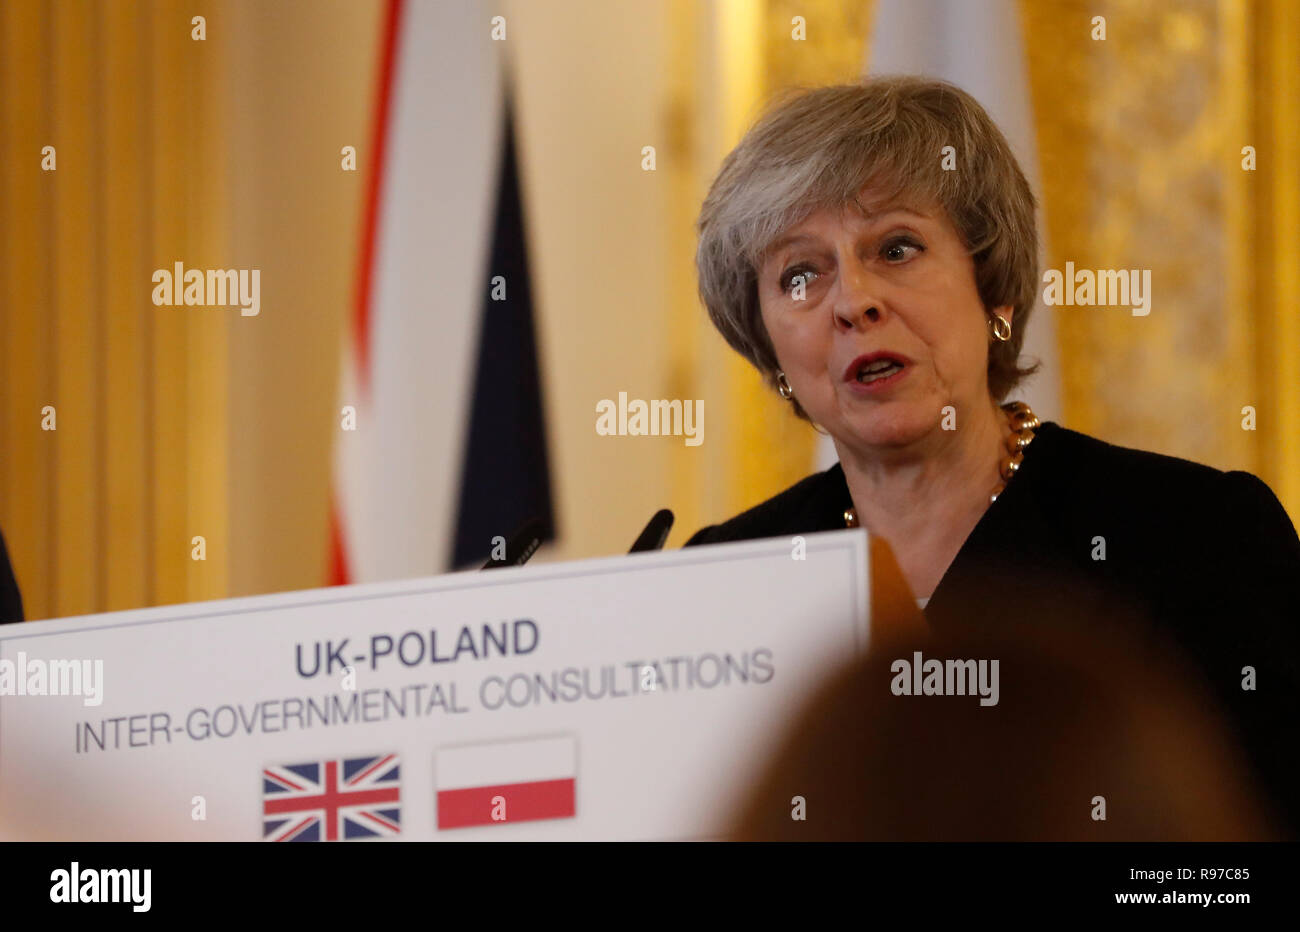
x=1140, y=141
x=833, y=51
x=1275, y=260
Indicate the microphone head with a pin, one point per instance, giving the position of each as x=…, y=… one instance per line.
x=655, y=533
x=521, y=545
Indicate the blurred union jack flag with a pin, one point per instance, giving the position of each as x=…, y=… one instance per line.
x=356, y=797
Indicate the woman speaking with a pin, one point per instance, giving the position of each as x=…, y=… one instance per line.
x=871, y=249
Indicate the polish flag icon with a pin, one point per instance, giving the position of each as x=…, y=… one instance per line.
x=500, y=783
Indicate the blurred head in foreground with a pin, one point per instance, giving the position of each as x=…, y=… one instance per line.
x=1085, y=723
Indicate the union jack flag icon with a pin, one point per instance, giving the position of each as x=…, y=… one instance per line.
x=332, y=800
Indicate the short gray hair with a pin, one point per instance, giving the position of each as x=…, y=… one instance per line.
x=820, y=148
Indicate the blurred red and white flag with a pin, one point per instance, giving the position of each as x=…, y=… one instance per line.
x=439, y=364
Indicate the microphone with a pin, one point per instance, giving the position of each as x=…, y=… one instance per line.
x=655, y=533
x=521, y=545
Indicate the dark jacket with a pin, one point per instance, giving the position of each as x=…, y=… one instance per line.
x=11, y=603
x=1198, y=561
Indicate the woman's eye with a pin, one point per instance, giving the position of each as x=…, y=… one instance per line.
x=793, y=276
x=900, y=250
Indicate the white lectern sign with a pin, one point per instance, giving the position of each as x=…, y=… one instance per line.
x=622, y=698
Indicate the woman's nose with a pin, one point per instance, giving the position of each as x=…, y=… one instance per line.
x=858, y=304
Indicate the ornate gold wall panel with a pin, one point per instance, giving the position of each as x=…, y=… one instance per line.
x=834, y=51
x=1275, y=32
x=1140, y=140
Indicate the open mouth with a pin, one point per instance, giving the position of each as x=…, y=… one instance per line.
x=875, y=368
x=880, y=369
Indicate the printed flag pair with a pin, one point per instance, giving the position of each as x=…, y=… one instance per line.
x=361, y=797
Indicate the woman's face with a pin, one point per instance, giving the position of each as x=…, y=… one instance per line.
x=890, y=328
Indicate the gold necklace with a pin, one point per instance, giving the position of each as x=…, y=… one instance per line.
x=1022, y=421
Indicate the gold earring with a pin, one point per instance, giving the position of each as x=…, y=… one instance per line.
x=783, y=385
x=1001, y=329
